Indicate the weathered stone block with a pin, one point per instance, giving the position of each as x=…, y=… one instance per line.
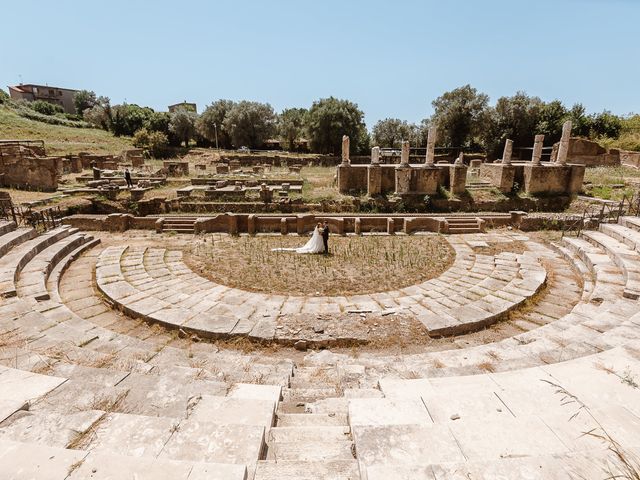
x=374, y=179
x=457, y=179
x=403, y=179
x=500, y=175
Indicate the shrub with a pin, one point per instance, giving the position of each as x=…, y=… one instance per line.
x=45, y=108
x=156, y=143
x=4, y=97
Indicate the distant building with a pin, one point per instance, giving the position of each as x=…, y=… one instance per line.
x=191, y=107
x=56, y=95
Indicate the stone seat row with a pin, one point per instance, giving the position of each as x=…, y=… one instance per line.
x=156, y=285
x=536, y=412
x=48, y=326
x=604, y=322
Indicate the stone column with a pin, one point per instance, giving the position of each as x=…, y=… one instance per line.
x=563, y=149
x=404, y=155
x=431, y=145
x=537, y=150
x=375, y=156
x=403, y=171
x=374, y=174
x=508, y=149
x=458, y=176
x=345, y=150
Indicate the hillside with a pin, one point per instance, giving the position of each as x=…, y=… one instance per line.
x=59, y=139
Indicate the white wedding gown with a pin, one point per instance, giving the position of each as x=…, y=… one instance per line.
x=314, y=245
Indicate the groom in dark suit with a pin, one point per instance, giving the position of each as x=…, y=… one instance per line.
x=325, y=237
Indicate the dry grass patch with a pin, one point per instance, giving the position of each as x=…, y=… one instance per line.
x=356, y=265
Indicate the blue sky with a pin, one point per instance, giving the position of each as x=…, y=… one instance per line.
x=392, y=58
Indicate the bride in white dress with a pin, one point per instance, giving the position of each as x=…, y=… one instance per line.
x=314, y=245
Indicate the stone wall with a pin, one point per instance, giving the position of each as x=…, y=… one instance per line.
x=354, y=178
x=588, y=153
x=31, y=173
x=631, y=159
x=252, y=223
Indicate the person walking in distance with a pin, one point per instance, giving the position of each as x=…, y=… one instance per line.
x=325, y=237
x=127, y=177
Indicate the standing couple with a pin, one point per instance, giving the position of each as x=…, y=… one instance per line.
x=319, y=242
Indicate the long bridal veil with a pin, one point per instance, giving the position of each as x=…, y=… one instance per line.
x=314, y=245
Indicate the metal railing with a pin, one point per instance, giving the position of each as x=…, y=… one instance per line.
x=42, y=220
x=606, y=212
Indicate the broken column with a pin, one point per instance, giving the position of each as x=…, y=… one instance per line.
x=563, y=149
x=427, y=178
x=403, y=171
x=345, y=150
x=374, y=174
x=508, y=150
x=537, y=150
x=431, y=147
x=344, y=169
x=501, y=174
x=458, y=176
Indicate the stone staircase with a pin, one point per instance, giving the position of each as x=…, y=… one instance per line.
x=179, y=224
x=463, y=224
x=86, y=392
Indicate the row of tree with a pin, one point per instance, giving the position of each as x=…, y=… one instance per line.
x=464, y=117
x=466, y=120
x=229, y=124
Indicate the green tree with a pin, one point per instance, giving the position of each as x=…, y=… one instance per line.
x=581, y=123
x=83, y=100
x=211, y=123
x=606, y=124
x=550, y=119
x=183, y=125
x=291, y=124
x=250, y=123
x=329, y=119
x=390, y=132
x=153, y=141
x=159, y=122
x=4, y=97
x=126, y=119
x=458, y=114
x=512, y=118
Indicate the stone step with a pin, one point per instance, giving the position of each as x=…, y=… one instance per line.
x=292, y=470
x=18, y=388
x=12, y=264
x=311, y=420
x=22, y=461
x=33, y=277
x=107, y=466
x=626, y=235
x=229, y=410
x=15, y=237
x=310, y=450
x=7, y=226
x=625, y=258
x=308, y=434
x=589, y=465
x=585, y=273
x=461, y=230
x=630, y=222
x=171, y=439
x=53, y=282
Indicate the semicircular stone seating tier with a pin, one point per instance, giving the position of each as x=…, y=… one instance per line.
x=154, y=284
x=88, y=393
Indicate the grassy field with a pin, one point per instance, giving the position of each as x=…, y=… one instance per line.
x=60, y=139
x=355, y=265
x=607, y=182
